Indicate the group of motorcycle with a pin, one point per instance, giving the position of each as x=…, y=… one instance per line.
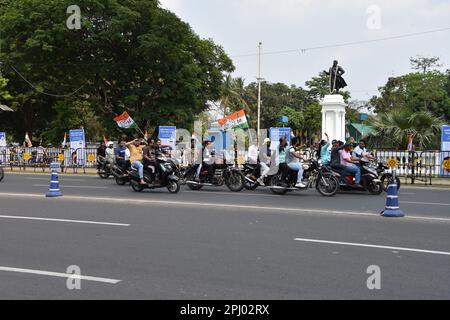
x=374, y=178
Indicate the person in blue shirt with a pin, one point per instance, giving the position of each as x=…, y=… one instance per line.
x=120, y=153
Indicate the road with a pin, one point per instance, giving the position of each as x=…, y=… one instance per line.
x=215, y=244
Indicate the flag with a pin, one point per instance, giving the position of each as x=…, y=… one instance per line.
x=65, y=140
x=27, y=141
x=105, y=140
x=237, y=120
x=410, y=143
x=146, y=136
x=125, y=121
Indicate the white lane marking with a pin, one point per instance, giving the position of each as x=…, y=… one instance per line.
x=65, y=220
x=242, y=194
x=425, y=188
x=60, y=275
x=61, y=177
x=278, y=210
x=373, y=246
x=427, y=203
x=65, y=186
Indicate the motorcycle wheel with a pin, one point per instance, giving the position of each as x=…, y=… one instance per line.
x=235, y=182
x=173, y=187
x=275, y=181
x=386, y=179
x=327, y=185
x=250, y=185
x=136, y=186
x=2, y=174
x=120, y=181
x=375, y=188
x=191, y=177
x=103, y=174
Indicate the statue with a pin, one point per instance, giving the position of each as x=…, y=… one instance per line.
x=336, y=80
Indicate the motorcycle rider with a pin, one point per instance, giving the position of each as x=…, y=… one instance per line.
x=361, y=151
x=264, y=161
x=109, y=154
x=136, y=155
x=121, y=155
x=293, y=159
x=325, y=151
x=350, y=165
x=207, y=161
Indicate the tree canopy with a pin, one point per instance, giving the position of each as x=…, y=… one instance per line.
x=129, y=55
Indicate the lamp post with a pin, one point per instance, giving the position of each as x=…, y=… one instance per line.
x=259, y=90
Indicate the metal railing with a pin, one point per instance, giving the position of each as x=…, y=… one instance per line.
x=39, y=158
x=418, y=165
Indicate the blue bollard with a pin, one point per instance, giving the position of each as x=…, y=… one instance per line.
x=392, y=209
x=54, y=190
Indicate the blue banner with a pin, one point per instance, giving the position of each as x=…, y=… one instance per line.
x=2, y=139
x=445, y=150
x=168, y=135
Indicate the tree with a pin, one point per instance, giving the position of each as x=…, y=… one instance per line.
x=128, y=55
x=415, y=92
x=424, y=64
x=392, y=129
x=296, y=119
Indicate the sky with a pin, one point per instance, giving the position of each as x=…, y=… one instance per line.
x=281, y=25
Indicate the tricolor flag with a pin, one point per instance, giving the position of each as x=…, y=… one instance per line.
x=146, y=136
x=125, y=121
x=27, y=141
x=237, y=120
x=65, y=140
x=105, y=140
x=410, y=143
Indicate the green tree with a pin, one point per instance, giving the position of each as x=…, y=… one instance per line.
x=296, y=119
x=415, y=92
x=128, y=55
x=423, y=64
x=393, y=129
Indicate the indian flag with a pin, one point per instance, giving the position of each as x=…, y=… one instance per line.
x=27, y=141
x=125, y=121
x=237, y=120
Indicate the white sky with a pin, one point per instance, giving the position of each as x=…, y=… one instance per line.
x=238, y=26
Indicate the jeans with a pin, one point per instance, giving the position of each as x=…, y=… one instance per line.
x=140, y=168
x=354, y=169
x=297, y=166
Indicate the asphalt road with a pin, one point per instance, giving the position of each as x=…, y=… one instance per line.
x=215, y=244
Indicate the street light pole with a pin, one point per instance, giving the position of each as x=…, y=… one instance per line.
x=259, y=90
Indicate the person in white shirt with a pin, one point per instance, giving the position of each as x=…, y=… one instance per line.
x=361, y=151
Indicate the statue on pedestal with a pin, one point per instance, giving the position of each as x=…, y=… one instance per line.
x=336, y=80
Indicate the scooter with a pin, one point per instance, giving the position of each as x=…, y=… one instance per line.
x=370, y=180
x=386, y=175
x=155, y=179
x=104, y=169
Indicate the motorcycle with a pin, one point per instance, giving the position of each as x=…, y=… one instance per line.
x=155, y=179
x=386, y=175
x=250, y=183
x=223, y=174
x=370, y=180
x=315, y=175
x=104, y=169
x=121, y=175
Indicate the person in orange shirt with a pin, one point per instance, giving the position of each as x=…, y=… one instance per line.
x=136, y=148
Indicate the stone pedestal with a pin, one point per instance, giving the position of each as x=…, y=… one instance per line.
x=333, y=117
